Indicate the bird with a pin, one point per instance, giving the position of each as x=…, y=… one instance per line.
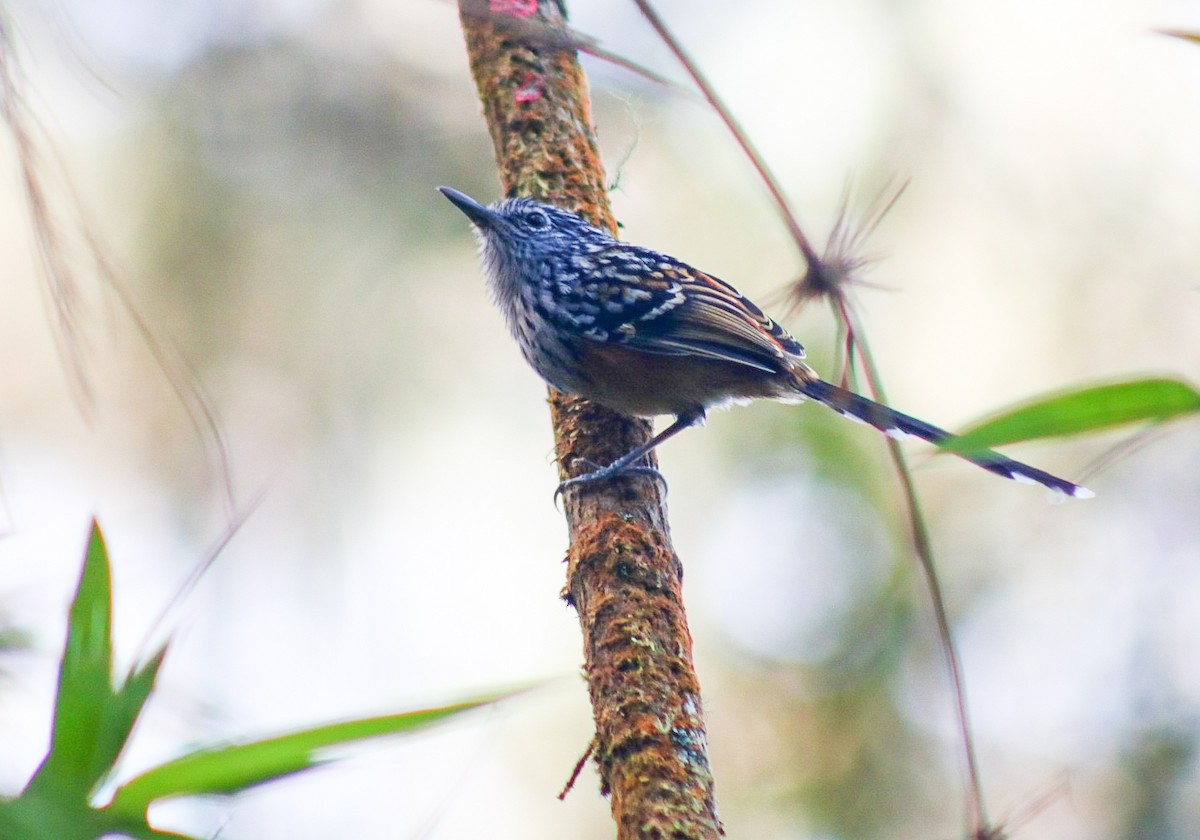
x=647, y=335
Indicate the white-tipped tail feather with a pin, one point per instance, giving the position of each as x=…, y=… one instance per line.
x=895, y=424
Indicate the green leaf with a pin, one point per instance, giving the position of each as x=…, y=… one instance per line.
x=122, y=710
x=74, y=765
x=34, y=817
x=231, y=769
x=1083, y=410
x=92, y=721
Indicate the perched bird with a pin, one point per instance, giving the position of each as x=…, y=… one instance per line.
x=646, y=334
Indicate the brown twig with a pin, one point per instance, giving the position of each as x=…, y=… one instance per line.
x=623, y=576
x=534, y=32
x=577, y=769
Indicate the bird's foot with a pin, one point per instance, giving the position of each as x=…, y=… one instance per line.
x=613, y=470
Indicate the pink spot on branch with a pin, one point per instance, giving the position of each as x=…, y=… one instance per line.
x=531, y=88
x=513, y=8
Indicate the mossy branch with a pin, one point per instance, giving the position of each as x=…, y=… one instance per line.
x=623, y=576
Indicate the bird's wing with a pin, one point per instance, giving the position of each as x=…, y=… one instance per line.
x=647, y=300
x=713, y=319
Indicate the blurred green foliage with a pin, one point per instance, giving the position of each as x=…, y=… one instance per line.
x=94, y=715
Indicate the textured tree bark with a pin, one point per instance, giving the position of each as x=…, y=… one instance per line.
x=623, y=576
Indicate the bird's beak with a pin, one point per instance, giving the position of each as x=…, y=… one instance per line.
x=479, y=214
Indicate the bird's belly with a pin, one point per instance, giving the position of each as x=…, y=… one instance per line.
x=649, y=384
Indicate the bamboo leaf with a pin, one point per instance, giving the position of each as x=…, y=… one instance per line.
x=225, y=770
x=74, y=765
x=123, y=708
x=1082, y=410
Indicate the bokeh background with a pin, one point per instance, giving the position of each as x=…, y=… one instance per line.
x=260, y=177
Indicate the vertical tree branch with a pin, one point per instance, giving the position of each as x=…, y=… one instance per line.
x=623, y=576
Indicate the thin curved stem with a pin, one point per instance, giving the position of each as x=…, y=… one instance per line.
x=739, y=135
x=923, y=548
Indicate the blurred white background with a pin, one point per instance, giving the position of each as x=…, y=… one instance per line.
x=261, y=177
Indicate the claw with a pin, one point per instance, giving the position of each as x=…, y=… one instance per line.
x=614, y=470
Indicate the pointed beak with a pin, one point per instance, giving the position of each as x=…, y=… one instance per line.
x=480, y=215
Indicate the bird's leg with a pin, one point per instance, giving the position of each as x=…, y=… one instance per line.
x=627, y=463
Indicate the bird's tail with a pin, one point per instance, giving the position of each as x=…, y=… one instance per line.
x=895, y=424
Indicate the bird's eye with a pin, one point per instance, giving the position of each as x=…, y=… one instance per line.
x=537, y=220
